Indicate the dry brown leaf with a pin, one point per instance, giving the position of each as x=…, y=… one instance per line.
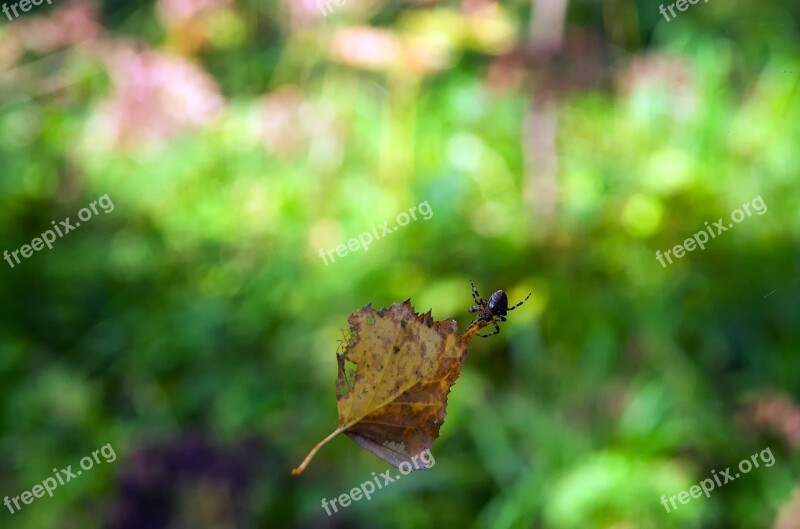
x=395, y=373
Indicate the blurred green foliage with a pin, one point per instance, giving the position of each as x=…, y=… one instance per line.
x=201, y=303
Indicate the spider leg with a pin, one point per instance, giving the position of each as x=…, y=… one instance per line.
x=474, y=309
x=521, y=302
x=477, y=297
x=497, y=331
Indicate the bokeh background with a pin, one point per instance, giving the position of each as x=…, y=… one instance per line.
x=559, y=143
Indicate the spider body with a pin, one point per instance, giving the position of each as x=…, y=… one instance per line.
x=492, y=311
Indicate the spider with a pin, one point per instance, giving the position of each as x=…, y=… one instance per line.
x=493, y=310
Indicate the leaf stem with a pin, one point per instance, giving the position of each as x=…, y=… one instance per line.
x=310, y=456
x=473, y=329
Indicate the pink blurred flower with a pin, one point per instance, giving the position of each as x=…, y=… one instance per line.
x=281, y=121
x=291, y=123
x=669, y=72
x=74, y=23
x=367, y=48
x=156, y=97
x=304, y=12
x=379, y=49
x=777, y=413
x=66, y=26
